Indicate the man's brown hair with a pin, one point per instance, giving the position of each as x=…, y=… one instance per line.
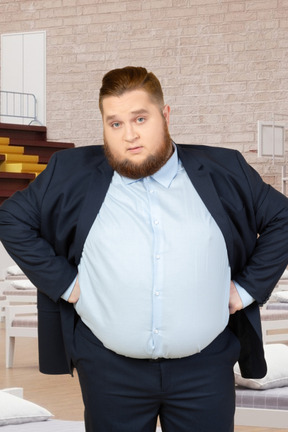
x=118, y=81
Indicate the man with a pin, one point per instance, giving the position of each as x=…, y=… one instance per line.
x=150, y=259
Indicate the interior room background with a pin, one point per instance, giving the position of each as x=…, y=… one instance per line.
x=222, y=64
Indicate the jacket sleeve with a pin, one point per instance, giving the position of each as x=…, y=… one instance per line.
x=269, y=258
x=20, y=233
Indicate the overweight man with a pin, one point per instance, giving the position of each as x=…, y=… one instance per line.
x=151, y=259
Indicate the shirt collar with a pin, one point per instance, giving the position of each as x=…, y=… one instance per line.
x=165, y=174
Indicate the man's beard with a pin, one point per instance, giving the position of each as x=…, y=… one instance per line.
x=149, y=166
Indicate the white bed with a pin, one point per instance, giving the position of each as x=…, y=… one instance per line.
x=262, y=408
x=264, y=402
x=46, y=426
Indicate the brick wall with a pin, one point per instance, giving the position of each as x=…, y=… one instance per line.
x=223, y=64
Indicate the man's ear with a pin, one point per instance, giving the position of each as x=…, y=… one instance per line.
x=166, y=113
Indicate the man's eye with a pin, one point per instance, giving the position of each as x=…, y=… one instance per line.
x=140, y=119
x=115, y=125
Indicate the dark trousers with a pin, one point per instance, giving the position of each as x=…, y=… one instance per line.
x=121, y=394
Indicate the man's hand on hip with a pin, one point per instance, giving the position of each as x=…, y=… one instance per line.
x=235, y=302
x=75, y=294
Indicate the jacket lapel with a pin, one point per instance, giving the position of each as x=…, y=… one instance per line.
x=200, y=177
x=100, y=180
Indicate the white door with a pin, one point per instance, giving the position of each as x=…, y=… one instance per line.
x=23, y=70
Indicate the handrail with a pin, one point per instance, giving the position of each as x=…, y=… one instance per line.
x=18, y=105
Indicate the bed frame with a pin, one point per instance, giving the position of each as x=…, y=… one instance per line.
x=262, y=408
x=274, y=325
x=20, y=320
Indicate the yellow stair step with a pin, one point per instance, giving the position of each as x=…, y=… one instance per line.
x=21, y=158
x=35, y=168
x=5, y=148
x=4, y=140
x=16, y=167
x=22, y=167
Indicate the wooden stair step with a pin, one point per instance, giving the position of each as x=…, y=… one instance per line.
x=36, y=168
x=11, y=149
x=44, y=159
x=4, y=140
x=44, y=149
x=40, y=143
x=15, y=176
x=9, y=192
x=18, y=167
x=11, y=182
x=16, y=171
x=18, y=131
x=21, y=158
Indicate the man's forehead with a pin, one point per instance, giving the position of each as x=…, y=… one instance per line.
x=133, y=102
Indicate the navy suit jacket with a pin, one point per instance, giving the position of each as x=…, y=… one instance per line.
x=44, y=228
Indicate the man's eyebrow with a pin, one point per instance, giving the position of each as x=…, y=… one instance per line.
x=111, y=117
x=137, y=112
x=140, y=111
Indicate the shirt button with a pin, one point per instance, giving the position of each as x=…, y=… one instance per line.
x=157, y=293
x=157, y=257
x=156, y=331
x=156, y=222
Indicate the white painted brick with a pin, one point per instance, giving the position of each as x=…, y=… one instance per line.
x=260, y=5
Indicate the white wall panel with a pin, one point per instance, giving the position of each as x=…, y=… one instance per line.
x=23, y=69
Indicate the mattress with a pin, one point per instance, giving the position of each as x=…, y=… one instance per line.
x=276, y=398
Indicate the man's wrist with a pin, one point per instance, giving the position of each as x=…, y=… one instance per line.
x=246, y=298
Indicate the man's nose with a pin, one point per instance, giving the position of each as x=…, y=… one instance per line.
x=130, y=133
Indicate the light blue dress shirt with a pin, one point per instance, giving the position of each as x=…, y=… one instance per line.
x=154, y=272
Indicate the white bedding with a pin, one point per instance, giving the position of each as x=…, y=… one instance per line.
x=49, y=426
x=46, y=426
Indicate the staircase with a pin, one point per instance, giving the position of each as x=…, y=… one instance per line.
x=24, y=153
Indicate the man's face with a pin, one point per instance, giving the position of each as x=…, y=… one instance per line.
x=136, y=137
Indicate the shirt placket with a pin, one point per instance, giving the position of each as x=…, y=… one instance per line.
x=156, y=224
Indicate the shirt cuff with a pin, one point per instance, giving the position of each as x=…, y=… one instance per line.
x=67, y=293
x=246, y=298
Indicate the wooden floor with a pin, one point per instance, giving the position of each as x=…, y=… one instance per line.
x=60, y=394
